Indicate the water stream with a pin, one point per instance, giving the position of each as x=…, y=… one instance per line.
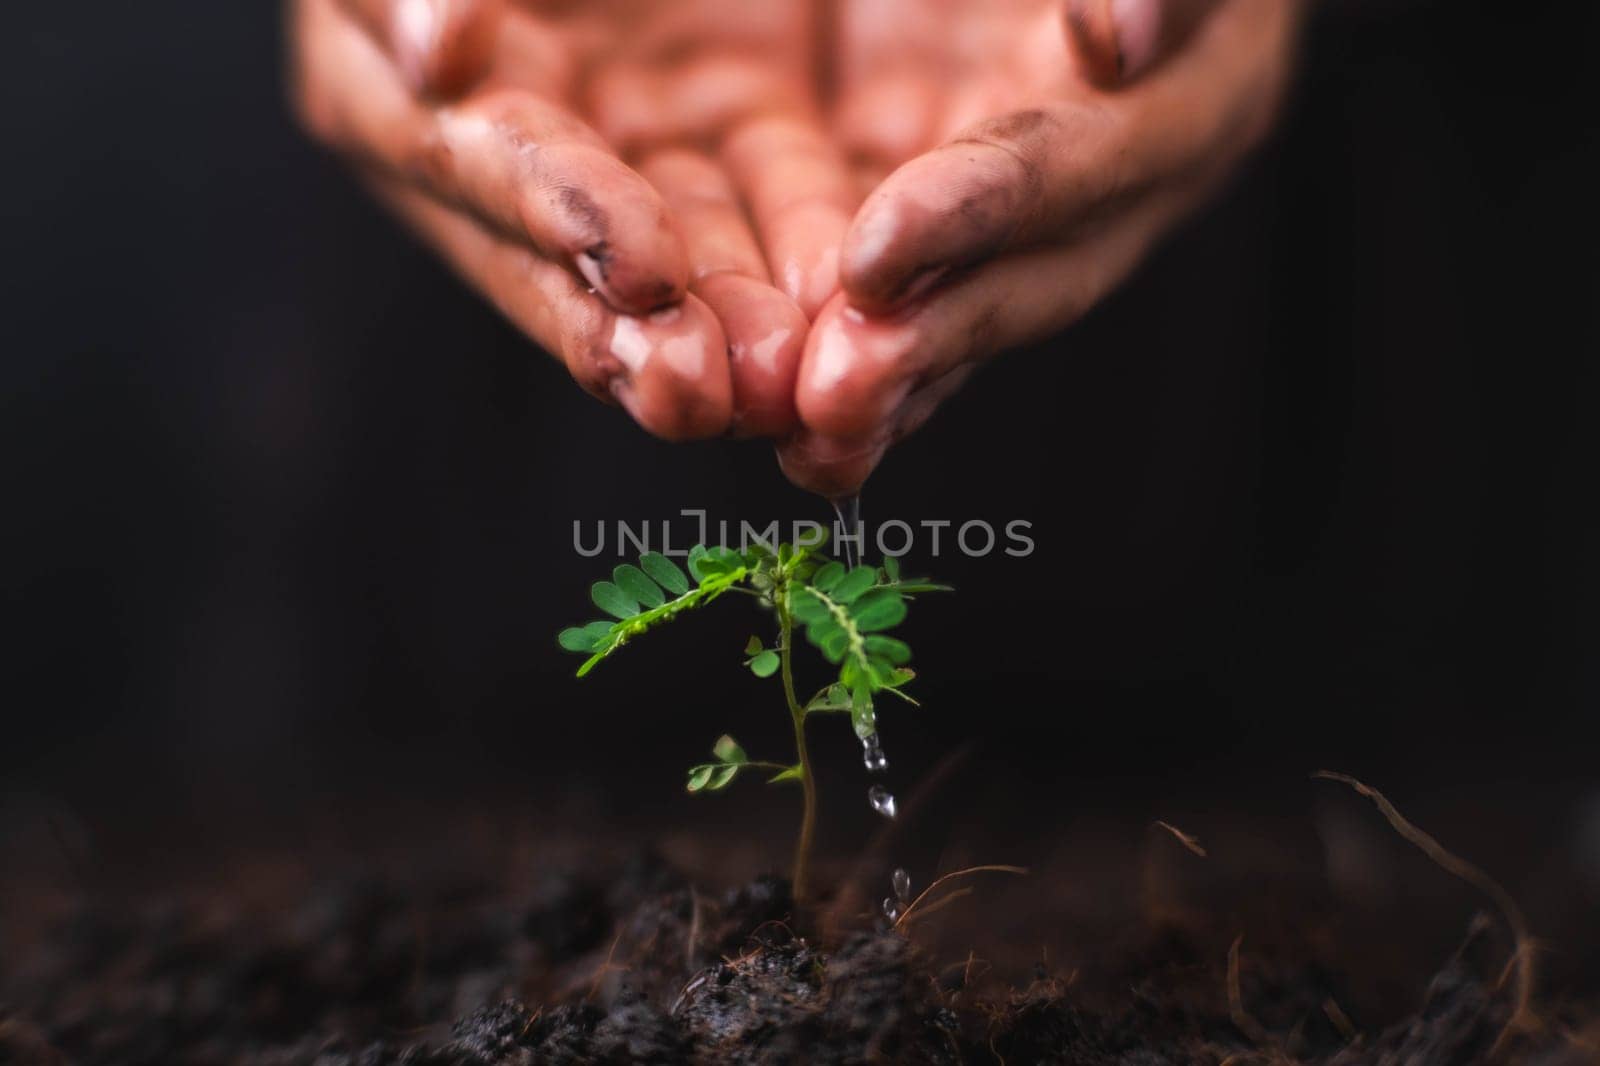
x=847, y=509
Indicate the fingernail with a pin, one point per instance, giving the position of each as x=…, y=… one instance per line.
x=416, y=35
x=592, y=263
x=1138, y=28
x=921, y=283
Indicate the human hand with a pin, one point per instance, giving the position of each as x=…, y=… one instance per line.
x=503, y=134
x=1037, y=151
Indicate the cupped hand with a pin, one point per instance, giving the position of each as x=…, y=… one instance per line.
x=642, y=187
x=1034, y=151
x=664, y=192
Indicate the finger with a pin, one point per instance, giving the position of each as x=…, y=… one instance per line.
x=668, y=369
x=765, y=329
x=699, y=194
x=835, y=467
x=801, y=195
x=865, y=381
x=1054, y=172
x=766, y=333
x=1114, y=41
x=526, y=167
x=441, y=47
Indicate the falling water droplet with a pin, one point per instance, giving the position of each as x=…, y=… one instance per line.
x=872, y=755
x=891, y=908
x=848, y=511
x=882, y=800
x=902, y=884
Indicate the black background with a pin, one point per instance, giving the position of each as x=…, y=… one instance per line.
x=288, y=512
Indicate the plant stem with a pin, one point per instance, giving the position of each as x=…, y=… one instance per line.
x=808, y=819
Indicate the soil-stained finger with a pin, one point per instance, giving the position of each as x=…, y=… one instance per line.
x=524, y=165
x=669, y=369
x=1056, y=172
x=860, y=370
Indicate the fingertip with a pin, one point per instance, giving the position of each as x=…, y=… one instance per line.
x=673, y=375
x=827, y=466
x=854, y=372
x=766, y=333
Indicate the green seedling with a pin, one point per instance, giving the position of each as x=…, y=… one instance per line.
x=845, y=614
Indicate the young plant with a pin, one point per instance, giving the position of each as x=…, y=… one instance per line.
x=845, y=614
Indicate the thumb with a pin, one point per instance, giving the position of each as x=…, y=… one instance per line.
x=441, y=47
x=1115, y=41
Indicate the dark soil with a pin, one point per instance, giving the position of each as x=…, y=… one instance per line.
x=639, y=966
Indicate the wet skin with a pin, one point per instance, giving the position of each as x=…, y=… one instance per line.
x=800, y=221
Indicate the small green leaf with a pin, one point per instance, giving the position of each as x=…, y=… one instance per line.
x=853, y=584
x=728, y=750
x=665, y=572
x=612, y=600
x=575, y=639
x=715, y=562
x=828, y=576
x=922, y=586
x=834, y=698
x=633, y=581
x=862, y=716
x=696, y=554
x=598, y=630
x=891, y=568
x=834, y=645
x=793, y=773
x=896, y=651
x=879, y=609
x=699, y=775
x=753, y=646
x=805, y=606
x=765, y=664
x=723, y=777
x=823, y=630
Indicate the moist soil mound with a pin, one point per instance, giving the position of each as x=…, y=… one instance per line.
x=639, y=966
